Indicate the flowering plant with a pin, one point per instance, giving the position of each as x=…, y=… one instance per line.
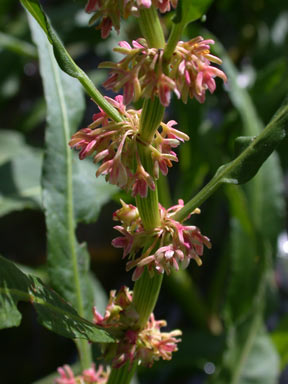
x=159, y=71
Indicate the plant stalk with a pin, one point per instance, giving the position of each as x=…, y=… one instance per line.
x=150, y=27
x=174, y=37
x=122, y=375
x=147, y=288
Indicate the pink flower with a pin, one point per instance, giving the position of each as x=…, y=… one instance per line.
x=168, y=247
x=128, y=214
x=144, y=345
x=142, y=72
x=66, y=376
x=162, y=153
x=125, y=241
x=118, y=312
x=99, y=376
x=115, y=148
x=108, y=13
x=144, y=3
x=192, y=70
x=157, y=344
x=142, y=180
x=92, y=6
x=90, y=375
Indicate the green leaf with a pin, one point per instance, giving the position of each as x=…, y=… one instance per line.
x=34, y=8
x=252, y=359
x=280, y=340
x=53, y=312
x=68, y=261
x=262, y=206
x=65, y=61
x=245, y=274
x=20, y=170
x=262, y=364
x=265, y=191
x=246, y=165
x=20, y=184
x=90, y=193
x=18, y=46
x=11, y=145
x=252, y=245
x=190, y=10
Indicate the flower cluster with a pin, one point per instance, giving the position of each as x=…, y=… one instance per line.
x=115, y=147
x=146, y=345
x=119, y=313
x=140, y=73
x=108, y=13
x=144, y=72
x=167, y=246
x=88, y=376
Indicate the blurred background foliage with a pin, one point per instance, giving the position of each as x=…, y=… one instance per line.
x=234, y=309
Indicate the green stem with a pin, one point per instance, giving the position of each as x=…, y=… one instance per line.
x=201, y=196
x=145, y=295
x=164, y=191
x=97, y=96
x=85, y=353
x=122, y=375
x=146, y=289
x=151, y=27
x=181, y=283
x=65, y=61
x=174, y=37
x=152, y=113
x=149, y=206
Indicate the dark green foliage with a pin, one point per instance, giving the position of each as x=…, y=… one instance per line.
x=188, y=11
x=53, y=312
x=221, y=307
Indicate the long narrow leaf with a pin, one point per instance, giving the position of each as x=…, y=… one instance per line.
x=251, y=248
x=65, y=61
x=68, y=261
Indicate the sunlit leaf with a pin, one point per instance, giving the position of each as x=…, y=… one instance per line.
x=68, y=261
x=65, y=61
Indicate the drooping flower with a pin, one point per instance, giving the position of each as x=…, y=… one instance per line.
x=118, y=312
x=88, y=376
x=144, y=72
x=167, y=247
x=192, y=70
x=93, y=376
x=108, y=13
x=114, y=146
x=66, y=376
x=155, y=344
x=140, y=72
x=143, y=345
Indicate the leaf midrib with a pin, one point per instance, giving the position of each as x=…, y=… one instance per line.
x=69, y=185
